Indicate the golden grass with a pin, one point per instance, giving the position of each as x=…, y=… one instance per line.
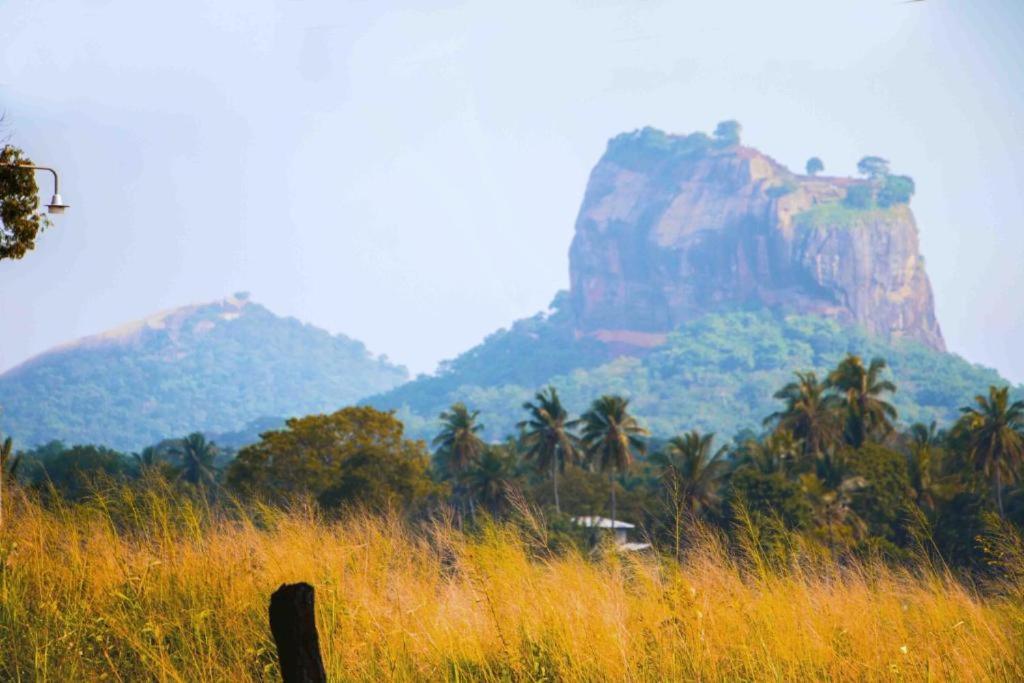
x=174, y=592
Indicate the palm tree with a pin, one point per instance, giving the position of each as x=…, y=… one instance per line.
x=458, y=442
x=693, y=474
x=867, y=414
x=152, y=460
x=490, y=476
x=778, y=452
x=693, y=468
x=925, y=465
x=458, y=446
x=994, y=437
x=149, y=457
x=610, y=437
x=832, y=504
x=197, y=456
x=811, y=413
x=547, y=436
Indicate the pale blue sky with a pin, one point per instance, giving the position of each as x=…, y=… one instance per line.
x=410, y=176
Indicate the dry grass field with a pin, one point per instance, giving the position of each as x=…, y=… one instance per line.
x=148, y=586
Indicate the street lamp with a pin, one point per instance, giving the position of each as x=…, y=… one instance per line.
x=56, y=205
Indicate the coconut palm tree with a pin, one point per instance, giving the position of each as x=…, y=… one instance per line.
x=832, y=504
x=458, y=443
x=149, y=457
x=152, y=460
x=995, y=441
x=692, y=473
x=610, y=437
x=197, y=456
x=778, y=452
x=490, y=476
x=458, y=446
x=811, y=414
x=925, y=465
x=868, y=415
x=547, y=436
x=692, y=468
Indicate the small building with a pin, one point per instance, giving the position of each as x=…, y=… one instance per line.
x=618, y=528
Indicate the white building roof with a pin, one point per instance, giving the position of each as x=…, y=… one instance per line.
x=602, y=523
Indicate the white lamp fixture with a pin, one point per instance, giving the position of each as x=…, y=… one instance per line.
x=56, y=205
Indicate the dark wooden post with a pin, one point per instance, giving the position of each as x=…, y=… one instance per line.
x=293, y=625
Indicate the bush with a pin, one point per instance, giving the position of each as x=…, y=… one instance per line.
x=859, y=197
x=873, y=167
x=727, y=133
x=898, y=189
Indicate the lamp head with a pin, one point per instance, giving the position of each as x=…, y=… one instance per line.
x=56, y=205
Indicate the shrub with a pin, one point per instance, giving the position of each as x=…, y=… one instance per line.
x=727, y=133
x=873, y=167
x=897, y=189
x=859, y=197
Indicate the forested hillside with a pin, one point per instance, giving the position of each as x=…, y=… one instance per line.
x=213, y=367
x=716, y=373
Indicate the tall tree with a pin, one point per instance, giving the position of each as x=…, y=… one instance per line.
x=814, y=166
x=490, y=476
x=355, y=456
x=547, y=436
x=152, y=460
x=197, y=456
x=925, y=466
x=777, y=453
x=868, y=415
x=993, y=430
x=873, y=167
x=20, y=218
x=692, y=473
x=811, y=414
x=459, y=443
x=690, y=462
x=727, y=133
x=611, y=436
x=832, y=505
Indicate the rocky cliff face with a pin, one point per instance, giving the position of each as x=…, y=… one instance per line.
x=672, y=227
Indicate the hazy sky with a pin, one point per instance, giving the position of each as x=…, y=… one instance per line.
x=411, y=176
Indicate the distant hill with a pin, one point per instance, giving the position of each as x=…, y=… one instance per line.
x=212, y=367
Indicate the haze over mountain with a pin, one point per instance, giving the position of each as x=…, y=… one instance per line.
x=409, y=152
x=210, y=367
x=703, y=274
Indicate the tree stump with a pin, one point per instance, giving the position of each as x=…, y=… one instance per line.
x=293, y=625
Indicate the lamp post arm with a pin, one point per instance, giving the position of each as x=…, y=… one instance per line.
x=29, y=167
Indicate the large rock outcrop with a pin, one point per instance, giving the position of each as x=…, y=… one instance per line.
x=672, y=227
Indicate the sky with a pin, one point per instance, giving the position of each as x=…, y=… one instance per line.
x=410, y=173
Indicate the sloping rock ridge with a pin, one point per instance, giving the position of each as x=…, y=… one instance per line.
x=673, y=227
